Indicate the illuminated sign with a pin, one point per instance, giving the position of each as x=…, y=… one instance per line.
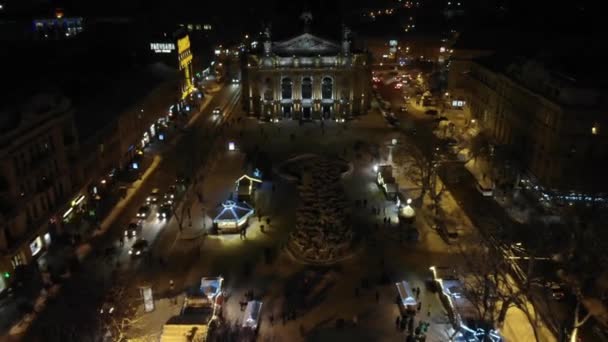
x=183, y=44
x=162, y=47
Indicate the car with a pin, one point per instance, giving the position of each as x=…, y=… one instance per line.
x=392, y=120
x=164, y=212
x=143, y=212
x=131, y=230
x=107, y=307
x=217, y=111
x=557, y=291
x=484, y=190
x=431, y=112
x=169, y=197
x=139, y=248
x=235, y=80
x=153, y=197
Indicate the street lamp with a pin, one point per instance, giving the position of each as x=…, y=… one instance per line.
x=375, y=167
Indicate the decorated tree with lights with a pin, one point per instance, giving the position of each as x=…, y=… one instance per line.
x=322, y=228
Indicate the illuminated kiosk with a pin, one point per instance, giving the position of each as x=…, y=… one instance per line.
x=386, y=181
x=407, y=297
x=233, y=217
x=246, y=186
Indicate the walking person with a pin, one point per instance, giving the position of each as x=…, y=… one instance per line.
x=429, y=313
x=397, y=322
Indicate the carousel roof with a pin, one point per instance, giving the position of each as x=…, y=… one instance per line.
x=233, y=211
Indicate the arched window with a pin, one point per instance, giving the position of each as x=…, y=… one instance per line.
x=327, y=88
x=286, y=88
x=268, y=90
x=307, y=88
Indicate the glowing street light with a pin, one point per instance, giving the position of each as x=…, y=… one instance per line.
x=375, y=167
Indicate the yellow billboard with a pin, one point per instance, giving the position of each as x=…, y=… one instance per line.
x=183, y=44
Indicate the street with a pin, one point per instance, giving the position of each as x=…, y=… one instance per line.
x=86, y=288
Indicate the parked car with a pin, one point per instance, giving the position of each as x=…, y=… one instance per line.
x=143, y=211
x=138, y=248
x=431, y=112
x=153, y=197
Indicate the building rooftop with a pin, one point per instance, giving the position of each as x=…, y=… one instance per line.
x=99, y=98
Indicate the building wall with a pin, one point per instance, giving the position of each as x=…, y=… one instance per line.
x=554, y=141
x=350, y=85
x=36, y=173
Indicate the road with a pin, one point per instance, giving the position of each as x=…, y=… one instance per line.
x=83, y=294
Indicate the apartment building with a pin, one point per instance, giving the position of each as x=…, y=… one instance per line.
x=551, y=114
x=36, y=139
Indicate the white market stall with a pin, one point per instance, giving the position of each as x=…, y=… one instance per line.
x=407, y=297
x=252, y=315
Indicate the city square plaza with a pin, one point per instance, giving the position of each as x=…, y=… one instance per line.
x=353, y=298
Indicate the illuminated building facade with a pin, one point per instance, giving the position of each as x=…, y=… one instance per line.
x=36, y=145
x=306, y=78
x=184, y=55
x=553, y=121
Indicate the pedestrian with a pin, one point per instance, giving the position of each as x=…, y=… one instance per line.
x=429, y=313
x=419, y=306
x=121, y=242
x=262, y=228
x=377, y=296
x=397, y=322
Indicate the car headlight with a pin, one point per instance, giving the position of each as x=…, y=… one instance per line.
x=137, y=253
x=130, y=252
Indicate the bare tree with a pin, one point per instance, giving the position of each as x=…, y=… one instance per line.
x=420, y=165
x=123, y=319
x=492, y=289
